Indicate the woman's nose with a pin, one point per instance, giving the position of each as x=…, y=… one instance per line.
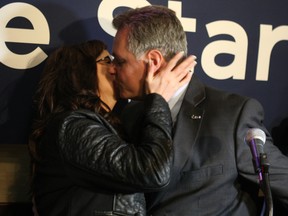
x=112, y=69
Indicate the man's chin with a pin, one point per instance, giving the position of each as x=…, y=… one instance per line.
x=124, y=96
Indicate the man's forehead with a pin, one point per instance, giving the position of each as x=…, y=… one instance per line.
x=117, y=55
x=119, y=46
x=121, y=52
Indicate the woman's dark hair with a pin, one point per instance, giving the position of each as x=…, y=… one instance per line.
x=69, y=82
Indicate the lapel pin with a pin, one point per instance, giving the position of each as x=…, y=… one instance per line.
x=196, y=117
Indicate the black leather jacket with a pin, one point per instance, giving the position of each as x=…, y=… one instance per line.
x=87, y=169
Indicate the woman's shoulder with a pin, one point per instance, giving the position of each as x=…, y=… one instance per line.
x=81, y=120
x=75, y=117
x=79, y=113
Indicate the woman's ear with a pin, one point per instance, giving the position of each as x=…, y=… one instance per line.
x=156, y=58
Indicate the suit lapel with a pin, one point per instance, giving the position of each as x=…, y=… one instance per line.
x=188, y=123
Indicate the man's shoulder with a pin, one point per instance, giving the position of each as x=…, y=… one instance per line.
x=220, y=94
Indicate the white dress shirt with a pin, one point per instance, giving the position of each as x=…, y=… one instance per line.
x=176, y=101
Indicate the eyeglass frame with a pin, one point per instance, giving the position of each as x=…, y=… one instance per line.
x=110, y=57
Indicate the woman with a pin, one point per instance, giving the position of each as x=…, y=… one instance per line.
x=82, y=166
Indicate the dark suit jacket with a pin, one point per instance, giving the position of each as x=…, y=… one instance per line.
x=213, y=173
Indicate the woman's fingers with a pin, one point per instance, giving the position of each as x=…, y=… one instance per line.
x=186, y=66
x=173, y=62
x=169, y=78
x=150, y=71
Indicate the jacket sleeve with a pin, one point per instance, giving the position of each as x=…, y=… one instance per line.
x=252, y=116
x=96, y=156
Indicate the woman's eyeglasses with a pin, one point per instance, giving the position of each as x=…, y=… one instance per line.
x=107, y=59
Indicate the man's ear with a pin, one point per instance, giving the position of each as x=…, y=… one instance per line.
x=156, y=58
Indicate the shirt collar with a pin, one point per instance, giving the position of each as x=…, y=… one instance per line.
x=180, y=92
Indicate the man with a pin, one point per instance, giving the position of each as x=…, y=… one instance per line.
x=213, y=173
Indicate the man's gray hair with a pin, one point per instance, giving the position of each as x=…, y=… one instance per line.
x=153, y=27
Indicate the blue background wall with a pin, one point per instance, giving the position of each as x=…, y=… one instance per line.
x=241, y=47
